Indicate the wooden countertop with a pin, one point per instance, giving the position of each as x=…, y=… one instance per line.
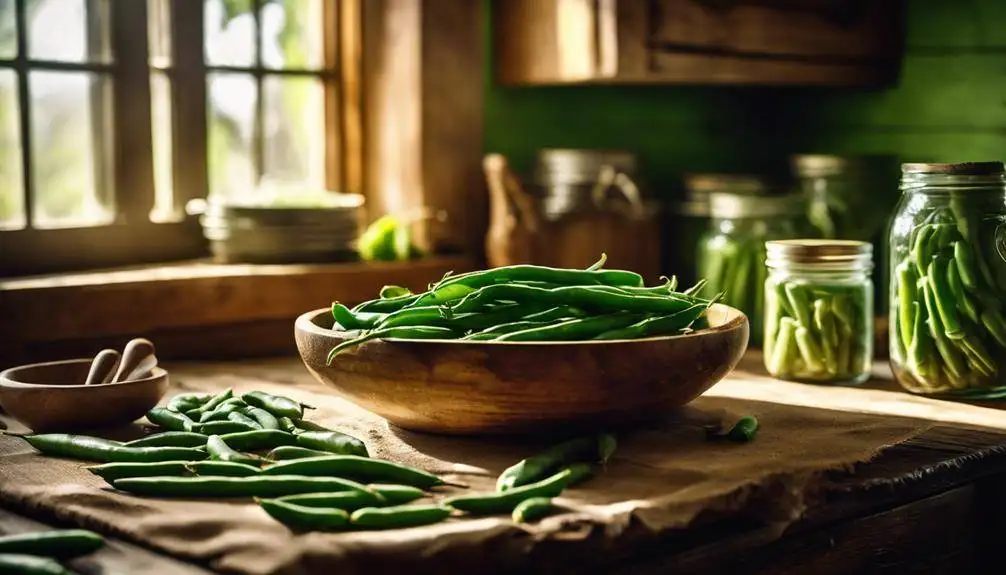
x=933, y=504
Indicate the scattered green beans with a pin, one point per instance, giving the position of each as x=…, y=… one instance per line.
x=212, y=404
x=223, y=410
x=399, y=516
x=595, y=448
x=218, y=450
x=305, y=518
x=112, y=471
x=532, y=509
x=258, y=439
x=251, y=486
x=332, y=442
x=221, y=468
x=21, y=564
x=60, y=544
x=277, y=405
x=106, y=451
x=170, y=439
x=355, y=467
x=290, y=452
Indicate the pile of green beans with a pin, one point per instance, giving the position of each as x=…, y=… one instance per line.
x=40, y=552
x=818, y=332
x=525, y=303
x=948, y=328
x=736, y=270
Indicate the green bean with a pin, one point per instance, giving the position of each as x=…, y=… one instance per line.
x=305, y=518
x=292, y=452
x=106, y=451
x=399, y=516
x=223, y=410
x=799, y=303
x=171, y=420
x=921, y=250
x=386, y=305
x=574, y=329
x=966, y=265
x=953, y=361
x=350, y=319
x=243, y=418
x=907, y=295
x=920, y=350
x=223, y=427
x=212, y=403
x=965, y=305
x=59, y=544
x=396, y=494
x=532, y=509
x=221, y=468
x=660, y=325
x=582, y=449
x=262, y=417
x=943, y=298
x=218, y=450
x=996, y=326
x=286, y=424
x=112, y=471
x=408, y=332
x=572, y=295
x=502, y=329
x=744, y=430
x=391, y=292
x=169, y=439
x=187, y=401
x=21, y=564
x=345, y=500
x=413, y=316
x=355, y=467
x=809, y=349
x=275, y=404
x=545, y=274
x=306, y=425
x=251, y=486
x=258, y=439
x=506, y=501
x=334, y=442
x=782, y=354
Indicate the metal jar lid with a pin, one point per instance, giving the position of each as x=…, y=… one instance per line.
x=700, y=186
x=959, y=169
x=567, y=166
x=831, y=254
x=730, y=205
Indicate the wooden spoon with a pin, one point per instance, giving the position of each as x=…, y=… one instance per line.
x=102, y=367
x=137, y=360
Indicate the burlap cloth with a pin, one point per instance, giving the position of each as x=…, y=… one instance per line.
x=662, y=478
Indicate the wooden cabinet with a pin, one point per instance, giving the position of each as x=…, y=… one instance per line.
x=766, y=42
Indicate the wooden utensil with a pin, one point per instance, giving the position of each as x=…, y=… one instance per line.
x=513, y=219
x=517, y=387
x=137, y=359
x=103, y=367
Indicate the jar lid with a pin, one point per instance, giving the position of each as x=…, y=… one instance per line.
x=959, y=169
x=830, y=253
x=570, y=166
x=699, y=186
x=731, y=205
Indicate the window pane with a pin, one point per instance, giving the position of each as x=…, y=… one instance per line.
x=8, y=30
x=11, y=193
x=292, y=34
x=294, y=120
x=68, y=30
x=165, y=209
x=230, y=33
x=67, y=118
x=231, y=127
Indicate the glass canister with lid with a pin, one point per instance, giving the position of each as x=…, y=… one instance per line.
x=731, y=253
x=819, y=310
x=948, y=280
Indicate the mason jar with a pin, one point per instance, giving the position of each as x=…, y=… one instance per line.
x=819, y=310
x=731, y=253
x=948, y=280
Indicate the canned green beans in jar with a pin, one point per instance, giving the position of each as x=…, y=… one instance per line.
x=948, y=280
x=819, y=310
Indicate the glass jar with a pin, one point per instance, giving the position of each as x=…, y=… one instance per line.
x=819, y=310
x=731, y=253
x=948, y=280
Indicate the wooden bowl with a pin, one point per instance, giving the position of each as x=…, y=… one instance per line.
x=515, y=387
x=51, y=396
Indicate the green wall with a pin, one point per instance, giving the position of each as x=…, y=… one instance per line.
x=949, y=105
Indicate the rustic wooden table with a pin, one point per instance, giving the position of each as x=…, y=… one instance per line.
x=934, y=504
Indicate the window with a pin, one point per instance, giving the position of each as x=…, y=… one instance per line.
x=115, y=113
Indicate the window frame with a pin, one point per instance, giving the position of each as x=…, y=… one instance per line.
x=131, y=238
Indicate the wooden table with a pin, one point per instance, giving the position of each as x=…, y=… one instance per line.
x=935, y=504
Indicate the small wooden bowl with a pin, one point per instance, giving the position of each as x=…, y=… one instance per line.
x=51, y=396
x=514, y=387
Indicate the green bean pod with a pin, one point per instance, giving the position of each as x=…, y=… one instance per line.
x=220, y=487
x=660, y=325
x=593, y=448
x=506, y=501
x=497, y=331
x=355, y=467
x=293, y=452
x=221, y=468
x=277, y=405
x=262, y=417
x=258, y=439
x=224, y=427
x=218, y=450
x=223, y=410
x=407, y=332
x=334, y=442
x=187, y=401
x=22, y=564
x=305, y=518
x=242, y=418
x=57, y=544
x=170, y=439
x=532, y=509
x=574, y=329
x=170, y=420
x=386, y=494
x=112, y=471
x=106, y=451
x=399, y=516
x=212, y=404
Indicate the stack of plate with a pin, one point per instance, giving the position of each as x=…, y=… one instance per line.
x=272, y=234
